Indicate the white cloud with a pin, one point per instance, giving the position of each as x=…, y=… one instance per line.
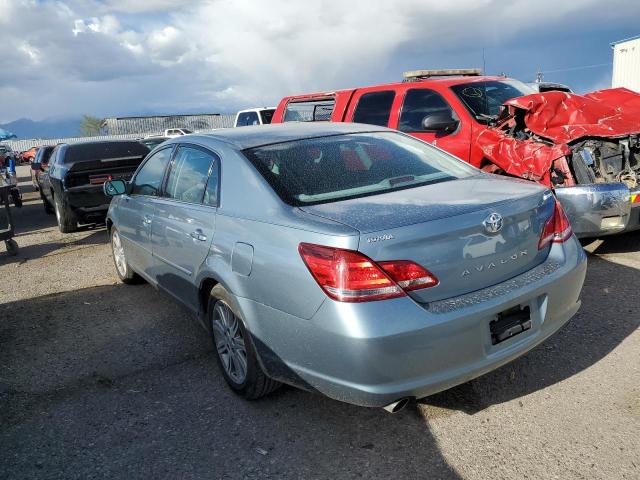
x=121, y=56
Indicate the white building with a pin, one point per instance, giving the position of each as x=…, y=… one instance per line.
x=626, y=63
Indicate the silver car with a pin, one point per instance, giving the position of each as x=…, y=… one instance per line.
x=347, y=259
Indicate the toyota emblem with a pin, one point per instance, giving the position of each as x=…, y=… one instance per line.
x=493, y=223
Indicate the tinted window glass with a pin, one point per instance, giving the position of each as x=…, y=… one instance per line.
x=321, y=170
x=248, y=118
x=418, y=104
x=310, y=111
x=149, y=178
x=484, y=99
x=43, y=155
x=266, y=116
x=104, y=151
x=188, y=175
x=374, y=108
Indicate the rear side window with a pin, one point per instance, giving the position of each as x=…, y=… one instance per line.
x=248, y=118
x=420, y=103
x=267, y=115
x=188, y=175
x=43, y=155
x=149, y=178
x=321, y=170
x=374, y=108
x=309, y=111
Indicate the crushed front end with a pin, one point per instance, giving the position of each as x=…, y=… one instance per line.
x=585, y=149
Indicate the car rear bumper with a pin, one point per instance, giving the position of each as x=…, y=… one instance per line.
x=374, y=353
x=599, y=209
x=87, y=201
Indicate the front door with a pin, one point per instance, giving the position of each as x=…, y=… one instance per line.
x=420, y=103
x=184, y=221
x=136, y=211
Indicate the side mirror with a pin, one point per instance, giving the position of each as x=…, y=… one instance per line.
x=114, y=187
x=440, y=122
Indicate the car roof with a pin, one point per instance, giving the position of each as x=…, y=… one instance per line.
x=423, y=82
x=258, y=135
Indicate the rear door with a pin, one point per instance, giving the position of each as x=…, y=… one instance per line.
x=136, y=210
x=373, y=106
x=184, y=221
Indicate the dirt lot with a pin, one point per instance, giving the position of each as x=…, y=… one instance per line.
x=102, y=380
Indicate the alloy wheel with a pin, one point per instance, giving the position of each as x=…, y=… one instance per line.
x=230, y=344
x=118, y=254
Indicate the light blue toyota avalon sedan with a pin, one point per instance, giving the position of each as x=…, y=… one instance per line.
x=346, y=259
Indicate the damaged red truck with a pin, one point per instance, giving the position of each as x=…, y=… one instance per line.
x=585, y=147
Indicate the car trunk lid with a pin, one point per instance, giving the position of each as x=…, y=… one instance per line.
x=442, y=227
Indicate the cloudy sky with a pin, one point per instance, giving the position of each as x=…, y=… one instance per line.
x=64, y=58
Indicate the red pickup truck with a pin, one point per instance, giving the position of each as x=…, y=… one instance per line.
x=587, y=148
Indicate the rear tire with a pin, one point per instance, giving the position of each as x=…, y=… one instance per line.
x=234, y=350
x=124, y=271
x=47, y=206
x=67, y=220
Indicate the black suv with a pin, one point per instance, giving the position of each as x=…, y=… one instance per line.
x=71, y=182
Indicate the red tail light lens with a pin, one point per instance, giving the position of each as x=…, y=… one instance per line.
x=349, y=276
x=408, y=275
x=557, y=229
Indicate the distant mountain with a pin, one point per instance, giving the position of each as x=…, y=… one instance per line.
x=50, y=128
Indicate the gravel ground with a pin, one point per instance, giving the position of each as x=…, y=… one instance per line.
x=102, y=380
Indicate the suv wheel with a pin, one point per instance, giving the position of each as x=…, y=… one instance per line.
x=124, y=271
x=235, y=352
x=67, y=221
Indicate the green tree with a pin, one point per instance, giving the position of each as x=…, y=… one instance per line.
x=90, y=126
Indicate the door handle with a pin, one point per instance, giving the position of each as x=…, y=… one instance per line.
x=147, y=220
x=198, y=235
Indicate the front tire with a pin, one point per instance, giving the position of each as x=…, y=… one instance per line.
x=124, y=271
x=235, y=352
x=67, y=220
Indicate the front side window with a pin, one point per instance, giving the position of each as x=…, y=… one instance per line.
x=484, y=99
x=420, y=103
x=329, y=169
x=188, y=175
x=149, y=177
x=374, y=108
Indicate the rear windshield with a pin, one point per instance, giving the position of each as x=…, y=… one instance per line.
x=104, y=151
x=329, y=169
x=309, y=111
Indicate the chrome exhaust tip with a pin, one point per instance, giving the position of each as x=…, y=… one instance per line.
x=398, y=405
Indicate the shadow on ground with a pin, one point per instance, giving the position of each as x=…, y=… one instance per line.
x=626, y=243
x=31, y=219
x=118, y=381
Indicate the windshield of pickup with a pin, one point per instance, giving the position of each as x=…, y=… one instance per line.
x=484, y=99
x=329, y=169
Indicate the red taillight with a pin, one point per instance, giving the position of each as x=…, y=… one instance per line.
x=99, y=179
x=408, y=275
x=557, y=229
x=349, y=276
